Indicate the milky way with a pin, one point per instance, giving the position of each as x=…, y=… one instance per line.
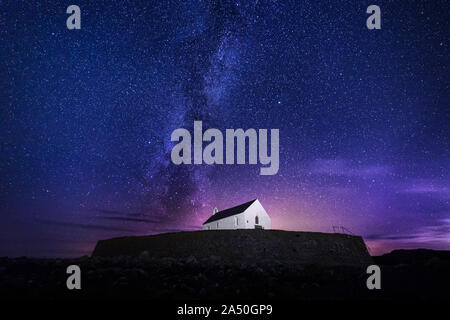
x=86, y=118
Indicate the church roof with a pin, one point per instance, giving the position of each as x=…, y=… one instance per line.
x=229, y=212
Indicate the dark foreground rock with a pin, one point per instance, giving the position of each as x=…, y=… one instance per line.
x=212, y=278
x=168, y=278
x=245, y=246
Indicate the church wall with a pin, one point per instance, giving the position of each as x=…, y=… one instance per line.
x=228, y=223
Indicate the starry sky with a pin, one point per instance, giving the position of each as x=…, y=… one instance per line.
x=86, y=117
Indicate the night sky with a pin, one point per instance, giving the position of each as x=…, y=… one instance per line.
x=86, y=117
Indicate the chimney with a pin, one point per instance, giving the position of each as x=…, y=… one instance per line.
x=215, y=210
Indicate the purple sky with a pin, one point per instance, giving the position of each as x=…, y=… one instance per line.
x=86, y=118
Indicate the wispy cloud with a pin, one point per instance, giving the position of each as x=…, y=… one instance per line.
x=390, y=237
x=129, y=219
x=427, y=186
x=82, y=225
x=341, y=167
x=437, y=233
x=115, y=215
x=116, y=212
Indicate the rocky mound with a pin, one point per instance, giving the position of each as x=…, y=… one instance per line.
x=244, y=246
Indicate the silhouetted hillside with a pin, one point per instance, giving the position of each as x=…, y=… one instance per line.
x=245, y=246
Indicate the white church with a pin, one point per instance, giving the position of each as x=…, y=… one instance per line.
x=249, y=215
